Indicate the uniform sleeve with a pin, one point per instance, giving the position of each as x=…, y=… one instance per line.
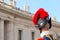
x=48, y=37
x=41, y=39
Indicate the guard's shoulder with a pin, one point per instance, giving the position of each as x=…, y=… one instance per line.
x=44, y=33
x=41, y=39
x=48, y=37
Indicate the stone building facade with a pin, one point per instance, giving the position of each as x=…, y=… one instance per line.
x=16, y=24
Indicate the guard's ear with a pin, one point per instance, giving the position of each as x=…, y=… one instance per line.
x=50, y=23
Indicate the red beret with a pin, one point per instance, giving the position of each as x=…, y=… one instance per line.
x=40, y=13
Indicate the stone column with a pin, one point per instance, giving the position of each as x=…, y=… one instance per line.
x=26, y=34
x=10, y=31
x=1, y=29
x=15, y=32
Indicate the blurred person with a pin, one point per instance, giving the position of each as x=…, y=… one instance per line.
x=42, y=22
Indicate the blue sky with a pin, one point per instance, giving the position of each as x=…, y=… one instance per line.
x=51, y=6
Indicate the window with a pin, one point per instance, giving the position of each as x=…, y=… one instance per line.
x=32, y=35
x=20, y=34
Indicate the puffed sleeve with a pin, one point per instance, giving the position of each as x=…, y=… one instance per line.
x=48, y=37
x=41, y=39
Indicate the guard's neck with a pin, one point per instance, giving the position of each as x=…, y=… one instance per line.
x=44, y=30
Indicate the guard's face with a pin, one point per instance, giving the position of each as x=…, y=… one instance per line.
x=46, y=26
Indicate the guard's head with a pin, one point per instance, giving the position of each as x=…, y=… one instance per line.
x=41, y=18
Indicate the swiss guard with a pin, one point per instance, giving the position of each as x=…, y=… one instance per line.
x=42, y=21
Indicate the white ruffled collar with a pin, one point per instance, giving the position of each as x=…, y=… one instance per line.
x=44, y=33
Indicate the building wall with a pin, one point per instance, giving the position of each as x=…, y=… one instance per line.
x=12, y=25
